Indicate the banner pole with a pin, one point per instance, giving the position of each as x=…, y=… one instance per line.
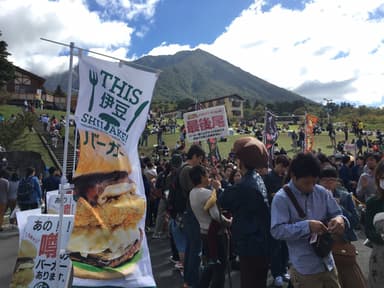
x=135, y=65
x=64, y=167
x=265, y=126
x=265, y=135
x=305, y=133
x=75, y=152
x=68, y=111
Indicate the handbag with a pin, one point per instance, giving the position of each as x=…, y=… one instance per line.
x=344, y=254
x=322, y=245
x=344, y=249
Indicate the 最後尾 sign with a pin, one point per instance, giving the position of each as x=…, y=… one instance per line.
x=206, y=123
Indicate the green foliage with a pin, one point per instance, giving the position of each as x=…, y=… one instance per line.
x=59, y=92
x=10, y=130
x=4, y=96
x=7, y=71
x=27, y=141
x=184, y=103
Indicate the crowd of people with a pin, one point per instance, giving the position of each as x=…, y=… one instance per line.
x=25, y=193
x=241, y=214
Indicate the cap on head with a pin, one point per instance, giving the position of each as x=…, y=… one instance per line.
x=251, y=152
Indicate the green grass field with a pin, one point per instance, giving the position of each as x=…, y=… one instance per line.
x=321, y=141
x=30, y=141
x=8, y=110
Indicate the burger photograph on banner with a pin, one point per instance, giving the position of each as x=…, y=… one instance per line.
x=108, y=246
x=107, y=238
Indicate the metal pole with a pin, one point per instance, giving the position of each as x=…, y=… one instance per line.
x=64, y=167
x=305, y=146
x=265, y=125
x=157, y=71
x=74, y=152
x=69, y=93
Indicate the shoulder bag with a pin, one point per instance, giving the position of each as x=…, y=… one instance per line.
x=323, y=243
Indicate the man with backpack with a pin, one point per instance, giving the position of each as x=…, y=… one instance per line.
x=29, y=191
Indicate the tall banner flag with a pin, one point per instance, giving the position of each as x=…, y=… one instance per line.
x=214, y=153
x=270, y=134
x=310, y=123
x=108, y=245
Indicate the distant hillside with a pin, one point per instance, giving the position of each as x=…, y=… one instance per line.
x=191, y=74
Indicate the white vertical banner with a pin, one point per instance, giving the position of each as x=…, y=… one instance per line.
x=108, y=244
x=113, y=98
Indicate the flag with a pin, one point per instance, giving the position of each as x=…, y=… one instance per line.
x=113, y=98
x=310, y=123
x=214, y=154
x=270, y=134
x=108, y=245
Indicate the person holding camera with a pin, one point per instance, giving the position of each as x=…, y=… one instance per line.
x=302, y=213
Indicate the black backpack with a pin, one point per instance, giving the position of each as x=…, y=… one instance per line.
x=161, y=181
x=177, y=202
x=25, y=190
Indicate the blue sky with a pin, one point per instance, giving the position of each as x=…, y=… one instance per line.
x=320, y=49
x=187, y=23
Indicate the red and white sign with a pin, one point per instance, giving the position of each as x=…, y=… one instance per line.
x=53, y=202
x=36, y=264
x=206, y=123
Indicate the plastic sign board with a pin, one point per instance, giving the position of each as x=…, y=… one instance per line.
x=206, y=123
x=36, y=264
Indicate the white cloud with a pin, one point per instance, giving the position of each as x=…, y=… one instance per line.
x=24, y=22
x=329, y=49
x=286, y=46
x=128, y=9
x=295, y=49
x=168, y=49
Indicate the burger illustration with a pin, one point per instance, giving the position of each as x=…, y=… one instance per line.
x=23, y=273
x=106, y=236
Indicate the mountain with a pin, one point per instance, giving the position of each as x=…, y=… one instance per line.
x=198, y=74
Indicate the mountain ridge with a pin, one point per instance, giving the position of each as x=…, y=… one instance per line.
x=198, y=75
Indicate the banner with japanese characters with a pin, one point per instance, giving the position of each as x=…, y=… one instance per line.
x=108, y=245
x=113, y=97
x=37, y=264
x=206, y=123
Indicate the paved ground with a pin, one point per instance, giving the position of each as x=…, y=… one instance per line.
x=166, y=276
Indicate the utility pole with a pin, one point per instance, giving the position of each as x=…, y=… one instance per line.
x=328, y=102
